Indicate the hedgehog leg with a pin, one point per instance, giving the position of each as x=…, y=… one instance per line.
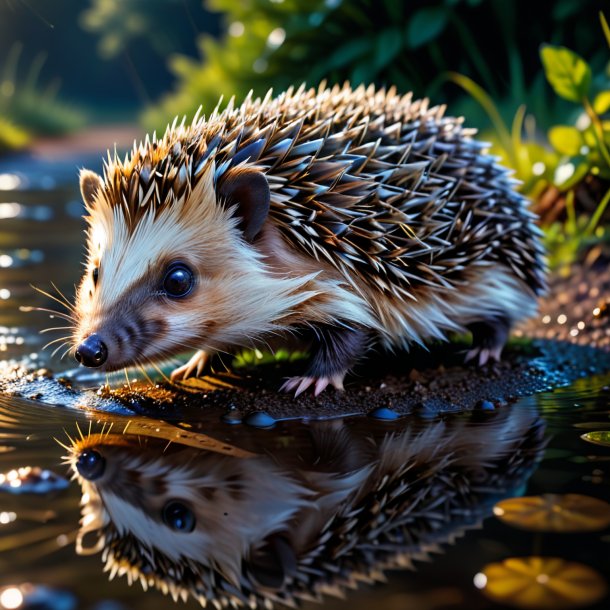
x=336, y=349
x=488, y=339
x=196, y=365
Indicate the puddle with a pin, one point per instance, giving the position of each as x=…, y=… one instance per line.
x=405, y=487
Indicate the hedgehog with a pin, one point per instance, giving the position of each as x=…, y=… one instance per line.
x=333, y=219
x=251, y=532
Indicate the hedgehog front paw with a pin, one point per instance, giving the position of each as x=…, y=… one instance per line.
x=482, y=355
x=488, y=339
x=193, y=368
x=300, y=384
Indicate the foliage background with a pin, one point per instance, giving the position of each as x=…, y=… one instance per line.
x=67, y=64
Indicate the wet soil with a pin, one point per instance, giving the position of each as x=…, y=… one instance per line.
x=422, y=383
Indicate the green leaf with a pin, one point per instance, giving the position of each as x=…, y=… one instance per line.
x=425, y=25
x=605, y=27
x=566, y=140
x=568, y=73
x=601, y=103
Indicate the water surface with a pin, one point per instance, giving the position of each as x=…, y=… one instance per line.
x=41, y=240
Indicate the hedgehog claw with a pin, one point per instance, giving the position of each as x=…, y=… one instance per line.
x=196, y=365
x=483, y=355
x=300, y=384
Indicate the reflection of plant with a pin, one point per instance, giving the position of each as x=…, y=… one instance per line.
x=27, y=108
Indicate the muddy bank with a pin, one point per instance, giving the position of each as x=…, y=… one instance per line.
x=425, y=384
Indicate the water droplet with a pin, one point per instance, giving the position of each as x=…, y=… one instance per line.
x=259, y=419
x=384, y=413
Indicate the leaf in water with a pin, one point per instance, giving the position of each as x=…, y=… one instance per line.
x=425, y=25
x=540, y=583
x=555, y=513
x=568, y=73
x=566, y=139
x=599, y=437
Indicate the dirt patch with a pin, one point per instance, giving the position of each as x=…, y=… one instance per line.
x=424, y=384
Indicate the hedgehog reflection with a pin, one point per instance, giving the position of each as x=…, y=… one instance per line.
x=291, y=525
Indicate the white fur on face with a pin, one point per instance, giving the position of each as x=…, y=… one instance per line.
x=236, y=298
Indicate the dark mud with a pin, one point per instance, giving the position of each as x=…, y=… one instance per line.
x=421, y=383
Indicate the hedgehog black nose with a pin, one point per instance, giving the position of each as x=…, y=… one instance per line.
x=90, y=465
x=92, y=351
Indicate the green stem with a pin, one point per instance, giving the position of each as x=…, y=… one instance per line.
x=598, y=130
x=571, y=225
x=605, y=27
x=601, y=208
x=485, y=101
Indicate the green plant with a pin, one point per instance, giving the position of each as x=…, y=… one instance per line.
x=584, y=149
x=533, y=162
x=412, y=45
x=570, y=156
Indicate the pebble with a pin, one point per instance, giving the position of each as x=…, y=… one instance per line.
x=383, y=413
x=259, y=419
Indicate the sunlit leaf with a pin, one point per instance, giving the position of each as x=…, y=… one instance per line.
x=425, y=25
x=538, y=583
x=598, y=438
x=601, y=103
x=555, y=513
x=568, y=73
x=566, y=139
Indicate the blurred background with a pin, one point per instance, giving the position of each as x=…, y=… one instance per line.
x=71, y=67
x=108, y=70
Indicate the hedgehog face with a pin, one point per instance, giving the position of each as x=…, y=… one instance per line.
x=164, y=278
x=184, y=505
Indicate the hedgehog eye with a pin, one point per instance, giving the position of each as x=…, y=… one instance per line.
x=90, y=465
x=95, y=274
x=178, y=281
x=178, y=517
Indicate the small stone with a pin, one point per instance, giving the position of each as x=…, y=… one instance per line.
x=259, y=419
x=485, y=405
x=383, y=413
x=232, y=416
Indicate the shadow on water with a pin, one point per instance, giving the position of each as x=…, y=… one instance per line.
x=238, y=514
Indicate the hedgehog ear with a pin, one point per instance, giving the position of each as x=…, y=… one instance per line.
x=90, y=184
x=249, y=190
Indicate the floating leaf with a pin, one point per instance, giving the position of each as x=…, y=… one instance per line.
x=538, y=583
x=599, y=437
x=568, y=73
x=555, y=513
x=566, y=140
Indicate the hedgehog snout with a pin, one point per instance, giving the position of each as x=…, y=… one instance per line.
x=92, y=352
